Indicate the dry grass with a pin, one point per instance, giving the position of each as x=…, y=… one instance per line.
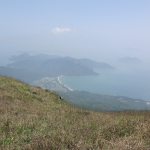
x=42, y=121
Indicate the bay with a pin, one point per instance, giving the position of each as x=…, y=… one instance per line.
x=123, y=82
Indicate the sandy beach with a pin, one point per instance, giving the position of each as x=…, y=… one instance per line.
x=58, y=78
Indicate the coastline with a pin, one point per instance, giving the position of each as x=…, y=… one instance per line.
x=58, y=78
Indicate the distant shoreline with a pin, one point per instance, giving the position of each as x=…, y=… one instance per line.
x=58, y=78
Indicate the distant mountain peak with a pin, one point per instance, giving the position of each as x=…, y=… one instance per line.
x=52, y=65
x=19, y=57
x=132, y=60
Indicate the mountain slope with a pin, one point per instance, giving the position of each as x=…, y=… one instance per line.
x=32, y=118
x=56, y=66
x=95, y=65
x=67, y=66
x=95, y=101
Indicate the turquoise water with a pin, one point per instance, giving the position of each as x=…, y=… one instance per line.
x=124, y=82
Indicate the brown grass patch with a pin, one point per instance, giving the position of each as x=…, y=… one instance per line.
x=42, y=121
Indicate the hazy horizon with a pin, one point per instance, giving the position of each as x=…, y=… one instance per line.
x=99, y=30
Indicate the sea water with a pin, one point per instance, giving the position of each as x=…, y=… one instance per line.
x=120, y=81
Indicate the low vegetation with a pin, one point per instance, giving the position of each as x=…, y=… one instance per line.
x=36, y=119
x=94, y=101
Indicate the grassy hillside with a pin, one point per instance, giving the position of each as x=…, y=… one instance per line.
x=36, y=119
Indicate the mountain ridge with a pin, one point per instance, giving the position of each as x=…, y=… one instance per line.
x=52, y=66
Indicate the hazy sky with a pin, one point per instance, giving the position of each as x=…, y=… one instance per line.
x=96, y=29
